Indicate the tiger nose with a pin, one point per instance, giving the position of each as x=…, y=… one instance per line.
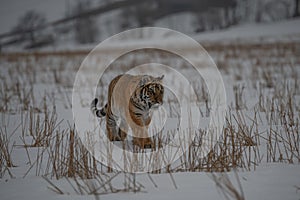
x=159, y=101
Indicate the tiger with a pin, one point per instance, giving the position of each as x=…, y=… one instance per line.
x=131, y=100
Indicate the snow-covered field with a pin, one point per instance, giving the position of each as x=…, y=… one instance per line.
x=259, y=150
x=271, y=181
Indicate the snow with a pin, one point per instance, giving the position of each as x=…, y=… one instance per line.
x=253, y=31
x=269, y=182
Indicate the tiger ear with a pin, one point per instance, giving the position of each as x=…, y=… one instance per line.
x=160, y=78
x=144, y=80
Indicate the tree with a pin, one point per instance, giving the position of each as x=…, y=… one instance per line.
x=259, y=11
x=296, y=12
x=30, y=26
x=277, y=10
x=85, y=28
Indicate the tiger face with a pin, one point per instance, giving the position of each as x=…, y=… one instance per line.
x=151, y=92
x=154, y=93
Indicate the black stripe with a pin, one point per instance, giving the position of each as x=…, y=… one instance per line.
x=98, y=112
x=137, y=105
x=137, y=114
x=140, y=106
x=111, y=121
x=102, y=112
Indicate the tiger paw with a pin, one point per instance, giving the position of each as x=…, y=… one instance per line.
x=144, y=143
x=122, y=135
x=114, y=138
x=148, y=146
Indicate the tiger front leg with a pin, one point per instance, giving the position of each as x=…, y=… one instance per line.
x=139, y=124
x=142, y=139
x=123, y=130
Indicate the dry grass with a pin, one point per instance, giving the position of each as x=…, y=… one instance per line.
x=266, y=130
x=6, y=148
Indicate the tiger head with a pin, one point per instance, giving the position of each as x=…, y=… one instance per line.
x=151, y=91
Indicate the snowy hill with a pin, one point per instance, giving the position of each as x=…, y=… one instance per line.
x=252, y=31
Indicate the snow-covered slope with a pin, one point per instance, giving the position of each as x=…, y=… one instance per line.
x=251, y=31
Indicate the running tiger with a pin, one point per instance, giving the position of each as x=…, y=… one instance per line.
x=131, y=100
